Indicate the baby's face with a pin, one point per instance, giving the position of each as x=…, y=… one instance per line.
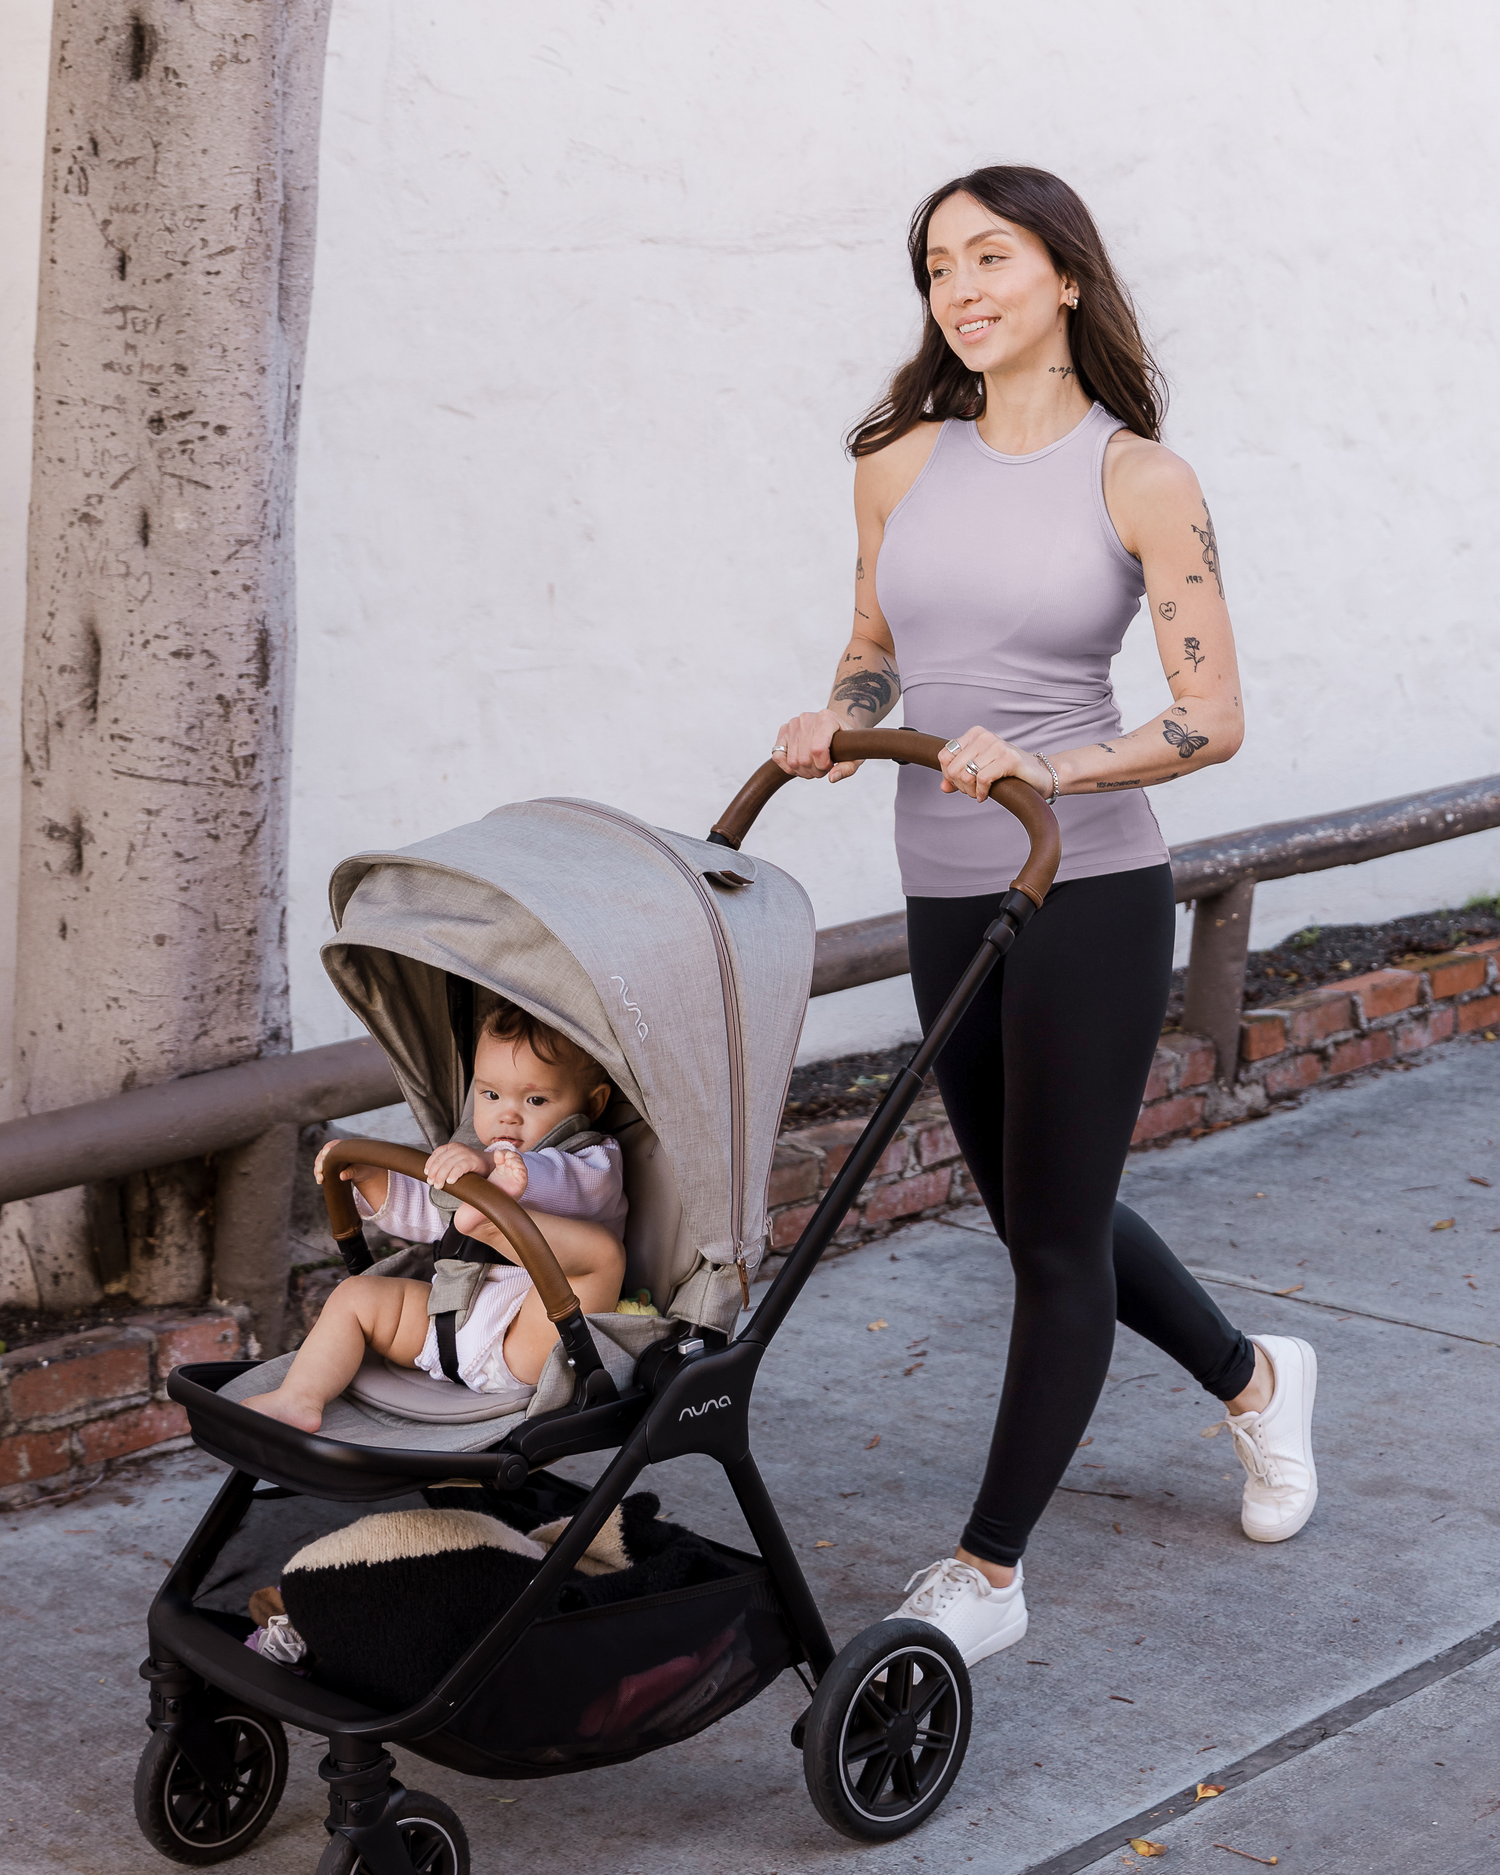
x=519, y=1098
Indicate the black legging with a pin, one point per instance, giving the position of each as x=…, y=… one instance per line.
x=1043, y=1081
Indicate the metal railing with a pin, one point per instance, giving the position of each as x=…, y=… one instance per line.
x=248, y=1115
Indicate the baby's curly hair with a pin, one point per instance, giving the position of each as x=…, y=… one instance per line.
x=508, y=1022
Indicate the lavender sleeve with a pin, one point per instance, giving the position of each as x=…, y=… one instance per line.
x=408, y=1211
x=588, y=1184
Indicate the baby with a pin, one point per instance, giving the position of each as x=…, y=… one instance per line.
x=528, y=1079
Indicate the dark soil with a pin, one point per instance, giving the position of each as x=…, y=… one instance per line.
x=829, y=1090
x=21, y=1328
x=1308, y=959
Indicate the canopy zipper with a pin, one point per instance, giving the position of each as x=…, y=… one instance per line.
x=731, y=1016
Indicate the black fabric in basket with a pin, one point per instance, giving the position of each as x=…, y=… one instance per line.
x=386, y=1632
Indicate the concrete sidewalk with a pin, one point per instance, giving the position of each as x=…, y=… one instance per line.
x=1163, y=1646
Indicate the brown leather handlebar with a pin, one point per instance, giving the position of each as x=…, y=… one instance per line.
x=905, y=745
x=514, y=1224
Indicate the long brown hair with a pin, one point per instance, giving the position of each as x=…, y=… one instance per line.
x=1114, y=367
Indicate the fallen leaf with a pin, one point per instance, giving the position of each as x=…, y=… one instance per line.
x=873, y=1443
x=875, y=1327
x=1260, y=1194
x=1118, y=1532
x=1213, y=1431
x=1208, y=1790
x=1289, y=1292
x=1143, y=1847
x=1121, y=1697
x=1475, y=1179
x=911, y=1370
x=822, y=1543
x=1266, y=1861
x=1083, y=1442
x=849, y=1493
x=1445, y=1223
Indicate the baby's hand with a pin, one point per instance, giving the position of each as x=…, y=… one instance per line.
x=450, y=1162
x=510, y=1173
x=350, y=1174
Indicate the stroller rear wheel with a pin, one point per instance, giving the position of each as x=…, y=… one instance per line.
x=191, y=1821
x=430, y=1833
x=887, y=1730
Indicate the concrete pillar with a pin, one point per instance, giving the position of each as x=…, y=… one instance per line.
x=252, y=1230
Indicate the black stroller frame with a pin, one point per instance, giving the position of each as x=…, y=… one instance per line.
x=885, y=1734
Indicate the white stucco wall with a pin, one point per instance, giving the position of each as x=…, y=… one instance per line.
x=600, y=287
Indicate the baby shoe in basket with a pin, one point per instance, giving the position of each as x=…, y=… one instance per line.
x=955, y=1597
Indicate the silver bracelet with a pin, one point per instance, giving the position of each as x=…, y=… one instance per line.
x=1056, y=784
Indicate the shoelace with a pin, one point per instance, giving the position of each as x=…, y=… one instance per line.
x=941, y=1582
x=1250, y=1445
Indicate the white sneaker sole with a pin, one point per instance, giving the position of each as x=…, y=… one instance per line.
x=1309, y=1394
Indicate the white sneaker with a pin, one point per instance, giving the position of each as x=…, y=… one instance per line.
x=954, y=1597
x=1275, y=1446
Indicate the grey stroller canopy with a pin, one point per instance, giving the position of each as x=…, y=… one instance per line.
x=682, y=966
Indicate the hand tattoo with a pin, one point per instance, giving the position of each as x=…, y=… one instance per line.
x=1210, y=548
x=1186, y=744
x=1192, y=649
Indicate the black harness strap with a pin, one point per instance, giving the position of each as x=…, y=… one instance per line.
x=454, y=1243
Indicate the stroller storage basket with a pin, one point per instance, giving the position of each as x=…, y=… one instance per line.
x=601, y=1685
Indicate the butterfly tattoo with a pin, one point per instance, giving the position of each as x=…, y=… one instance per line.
x=1186, y=744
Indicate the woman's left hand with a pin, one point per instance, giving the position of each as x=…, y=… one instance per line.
x=973, y=762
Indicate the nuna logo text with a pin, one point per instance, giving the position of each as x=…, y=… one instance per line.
x=708, y=1406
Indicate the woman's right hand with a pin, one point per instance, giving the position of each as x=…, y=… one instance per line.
x=802, y=746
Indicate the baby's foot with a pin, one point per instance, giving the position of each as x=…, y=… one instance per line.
x=510, y=1173
x=288, y=1408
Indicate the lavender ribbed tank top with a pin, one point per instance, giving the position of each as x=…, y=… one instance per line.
x=1008, y=594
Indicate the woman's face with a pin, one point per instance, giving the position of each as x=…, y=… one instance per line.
x=994, y=290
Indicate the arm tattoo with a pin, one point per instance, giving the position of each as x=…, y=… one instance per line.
x=859, y=567
x=1183, y=740
x=868, y=692
x=1192, y=649
x=1106, y=748
x=1168, y=610
x=1195, y=579
x=1117, y=784
x=864, y=615
x=1210, y=548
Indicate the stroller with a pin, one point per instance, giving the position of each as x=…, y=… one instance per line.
x=684, y=968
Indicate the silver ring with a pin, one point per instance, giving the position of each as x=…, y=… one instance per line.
x=951, y=748
x=971, y=768
x=780, y=749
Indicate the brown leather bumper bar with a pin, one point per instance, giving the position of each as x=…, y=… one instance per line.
x=514, y=1224
x=905, y=745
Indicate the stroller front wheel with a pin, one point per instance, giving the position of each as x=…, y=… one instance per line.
x=887, y=1730
x=190, y=1821
x=431, y=1835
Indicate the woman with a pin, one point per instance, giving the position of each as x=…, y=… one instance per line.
x=1013, y=503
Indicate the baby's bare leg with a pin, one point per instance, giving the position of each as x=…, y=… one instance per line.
x=386, y=1313
x=593, y=1260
